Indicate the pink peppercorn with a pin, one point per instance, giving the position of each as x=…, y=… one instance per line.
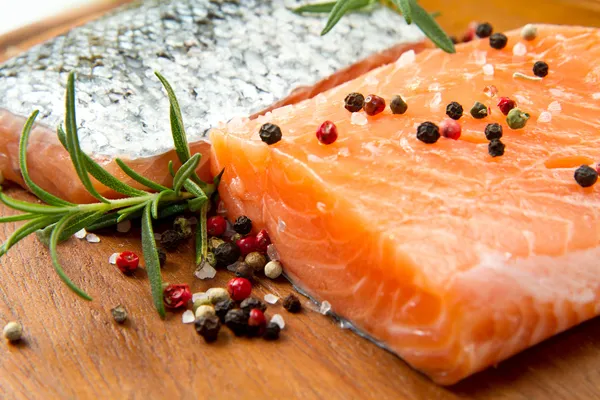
x=374, y=105
x=128, y=262
x=262, y=241
x=505, y=105
x=247, y=245
x=216, y=225
x=256, y=322
x=327, y=132
x=450, y=128
x=176, y=296
x=239, y=288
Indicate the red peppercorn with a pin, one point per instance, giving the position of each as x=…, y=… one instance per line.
x=176, y=296
x=247, y=245
x=374, y=104
x=470, y=33
x=505, y=105
x=262, y=241
x=216, y=225
x=256, y=322
x=327, y=132
x=128, y=262
x=450, y=128
x=239, y=288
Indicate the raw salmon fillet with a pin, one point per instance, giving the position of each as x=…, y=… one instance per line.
x=450, y=258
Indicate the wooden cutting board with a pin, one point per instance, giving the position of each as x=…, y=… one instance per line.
x=73, y=349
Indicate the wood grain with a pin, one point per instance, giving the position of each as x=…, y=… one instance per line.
x=73, y=349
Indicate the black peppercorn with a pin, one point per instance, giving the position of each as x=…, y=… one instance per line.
x=479, y=110
x=170, y=239
x=227, y=253
x=484, y=30
x=222, y=308
x=586, y=176
x=208, y=327
x=270, y=133
x=428, y=132
x=272, y=331
x=498, y=41
x=237, y=321
x=242, y=225
x=398, y=105
x=496, y=148
x=540, y=69
x=250, y=303
x=354, y=102
x=243, y=270
x=454, y=110
x=162, y=257
x=493, y=131
x=292, y=304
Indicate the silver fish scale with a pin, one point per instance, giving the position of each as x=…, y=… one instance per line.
x=224, y=59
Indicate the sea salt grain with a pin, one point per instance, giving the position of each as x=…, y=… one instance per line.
x=554, y=106
x=188, y=317
x=205, y=271
x=436, y=101
x=480, y=57
x=545, y=117
x=272, y=252
x=124, y=226
x=91, y=238
x=113, y=258
x=271, y=298
x=519, y=49
x=325, y=308
x=281, y=225
x=488, y=70
x=278, y=319
x=358, y=118
x=490, y=91
x=80, y=234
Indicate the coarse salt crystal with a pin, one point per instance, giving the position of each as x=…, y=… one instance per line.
x=596, y=96
x=359, y=119
x=188, y=317
x=113, y=258
x=281, y=225
x=92, y=238
x=519, y=49
x=554, y=106
x=325, y=307
x=490, y=91
x=545, y=116
x=272, y=252
x=488, y=70
x=406, y=58
x=124, y=226
x=436, y=101
x=80, y=234
x=271, y=298
x=198, y=296
x=205, y=271
x=321, y=207
x=221, y=209
x=344, y=152
x=480, y=57
x=278, y=319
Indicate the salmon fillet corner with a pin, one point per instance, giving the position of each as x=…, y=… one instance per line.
x=450, y=258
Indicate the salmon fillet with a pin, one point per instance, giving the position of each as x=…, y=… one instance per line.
x=450, y=258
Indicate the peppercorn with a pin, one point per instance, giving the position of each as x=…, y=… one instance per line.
x=529, y=32
x=203, y=300
x=398, y=105
x=216, y=226
x=450, y=129
x=242, y=225
x=273, y=269
x=243, y=270
x=493, y=131
x=479, y=110
x=327, y=133
x=13, y=331
x=270, y=133
x=162, y=257
x=428, y=132
x=176, y=296
x=246, y=245
x=119, y=313
x=227, y=253
x=217, y=294
x=262, y=241
x=170, y=239
x=454, y=39
x=223, y=307
x=505, y=105
x=496, y=148
x=208, y=327
x=516, y=119
x=374, y=104
x=354, y=102
x=498, y=41
x=235, y=237
x=256, y=261
x=182, y=226
x=540, y=68
x=251, y=303
x=586, y=176
x=256, y=322
x=239, y=288
x=272, y=331
x=237, y=321
x=211, y=259
x=128, y=262
x=204, y=310
x=484, y=30
x=292, y=304
x=214, y=242
x=454, y=110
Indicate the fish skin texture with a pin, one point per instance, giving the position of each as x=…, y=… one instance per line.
x=224, y=59
x=450, y=258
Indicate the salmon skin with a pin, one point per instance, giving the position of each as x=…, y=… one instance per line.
x=225, y=59
x=453, y=259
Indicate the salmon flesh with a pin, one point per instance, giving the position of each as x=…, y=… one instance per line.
x=453, y=259
x=225, y=59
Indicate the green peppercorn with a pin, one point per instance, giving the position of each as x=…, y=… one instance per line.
x=516, y=119
x=237, y=321
x=211, y=259
x=170, y=240
x=479, y=110
x=119, y=313
x=208, y=327
x=235, y=237
x=202, y=300
x=214, y=242
x=204, y=311
x=217, y=294
x=223, y=307
x=256, y=261
x=13, y=331
x=292, y=304
x=272, y=331
x=398, y=105
x=182, y=226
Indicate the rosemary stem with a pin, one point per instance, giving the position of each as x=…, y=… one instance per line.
x=130, y=201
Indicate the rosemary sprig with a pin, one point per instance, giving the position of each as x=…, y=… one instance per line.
x=58, y=219
x=410, y=9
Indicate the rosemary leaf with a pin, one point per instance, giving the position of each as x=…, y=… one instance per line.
x=124, y=213
x=184, y=172
x=201, y=235
x=315, y=8
x=171, y=169
x=108, y=220
x=139, y=178
x=31, y=207
x=196, y=203
x=156, y=202
x=35, y=189
x=431, y=28
x=405, y=8
x=217, y=179
x=101, y=174
x=73, y=140
x=340, y=8
x=56, y=233
x=18, y=217
x=27, y=229
x=197, y=191
x=82, y=221
x=152, y=262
